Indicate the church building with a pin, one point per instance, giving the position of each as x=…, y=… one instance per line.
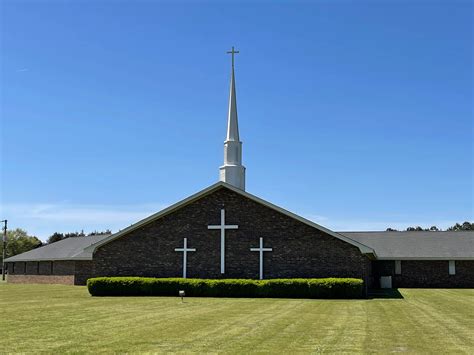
x=223, y=231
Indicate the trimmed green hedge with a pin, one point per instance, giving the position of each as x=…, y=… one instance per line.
x=274, y=288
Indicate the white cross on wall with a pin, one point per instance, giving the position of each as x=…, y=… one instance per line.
x=261, y=250
x=222, y=227
x=185, y=251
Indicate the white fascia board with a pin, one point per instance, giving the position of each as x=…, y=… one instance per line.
x=363, y=248
x=50, y=259
x=428, y=258
x=92, y=248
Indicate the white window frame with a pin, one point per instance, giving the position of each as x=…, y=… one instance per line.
x=452, y=267
x=398, y=267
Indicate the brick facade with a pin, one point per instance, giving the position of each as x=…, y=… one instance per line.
x=32, y=267
x=82, y=271
x=61, y=272
x=41, y=279
x=425, y=273
x=298, y=249
x=65, y=267
x=46, y=268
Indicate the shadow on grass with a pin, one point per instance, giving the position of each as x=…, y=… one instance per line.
x=384, y=293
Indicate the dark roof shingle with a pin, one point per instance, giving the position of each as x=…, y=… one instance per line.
x=66, y=249
x=418, y=245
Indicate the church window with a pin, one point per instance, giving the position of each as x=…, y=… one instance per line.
x=398, y=267
x=452, y=267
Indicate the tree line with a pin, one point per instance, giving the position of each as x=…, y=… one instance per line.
x=56, y=237
x=466, y=226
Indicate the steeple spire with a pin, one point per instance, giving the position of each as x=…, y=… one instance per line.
x=232, y=122
x=233, y=172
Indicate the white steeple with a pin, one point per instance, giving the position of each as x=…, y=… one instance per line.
x=232, y=172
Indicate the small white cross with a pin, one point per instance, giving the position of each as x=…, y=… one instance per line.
x=222, y=228
x=185, y=250
x=261, y=250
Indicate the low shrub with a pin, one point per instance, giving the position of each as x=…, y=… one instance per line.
x=335, y=288
x=273, y=288
x=285, y=288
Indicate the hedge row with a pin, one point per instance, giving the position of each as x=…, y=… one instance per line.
x=274, y=288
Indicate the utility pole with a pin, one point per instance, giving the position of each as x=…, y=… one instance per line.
x=4, y=247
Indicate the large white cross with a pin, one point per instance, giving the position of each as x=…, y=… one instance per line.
x=261, y=250
x=185, y=250
x=222, y=228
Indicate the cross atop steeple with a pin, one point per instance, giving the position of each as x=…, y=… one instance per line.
x=233, y=52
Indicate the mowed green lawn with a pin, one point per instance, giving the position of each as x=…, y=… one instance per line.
x=50, y=318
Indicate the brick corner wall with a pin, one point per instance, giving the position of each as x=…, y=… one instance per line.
x=426, y=273
x=41, y=279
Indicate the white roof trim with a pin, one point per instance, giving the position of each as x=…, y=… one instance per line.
x=72, y=258
x=427, y=258
x=93, y=247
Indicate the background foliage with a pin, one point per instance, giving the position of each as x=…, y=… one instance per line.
x=18, y=241
x=465, y=226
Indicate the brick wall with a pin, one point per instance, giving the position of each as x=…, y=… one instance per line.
x=45, y=267
x=63, y=267
x=40, y=272
x=298, y=249
x=32, y=267
x=82, y=271
x=17, y=268
x=426, y=273
x=41, y=279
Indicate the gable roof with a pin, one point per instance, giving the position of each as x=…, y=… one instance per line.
x=66, y=249
x=418, y=245
x=219, y=185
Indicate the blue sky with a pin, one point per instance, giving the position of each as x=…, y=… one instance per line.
x=358, y=115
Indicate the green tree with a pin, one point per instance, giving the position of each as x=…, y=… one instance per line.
x=414, y=229
x=106, y=232
x=18, y=241
x=74, y=234
x=55, y=237
x=466, y=226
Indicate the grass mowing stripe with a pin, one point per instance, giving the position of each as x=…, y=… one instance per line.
x=61, y=319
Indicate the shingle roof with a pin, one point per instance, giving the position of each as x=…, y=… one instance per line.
x=418, y=245
x=66, y=249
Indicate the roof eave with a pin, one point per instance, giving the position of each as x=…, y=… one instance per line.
x=426, y=258
x=8, y=260
x=92, y=248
